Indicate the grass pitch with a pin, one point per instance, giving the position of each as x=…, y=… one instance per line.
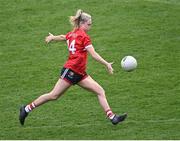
x=149, y=30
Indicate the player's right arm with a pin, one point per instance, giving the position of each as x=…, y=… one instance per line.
x=98, y=58
x=52, y=37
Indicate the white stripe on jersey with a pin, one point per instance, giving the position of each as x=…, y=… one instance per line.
x=88, y=46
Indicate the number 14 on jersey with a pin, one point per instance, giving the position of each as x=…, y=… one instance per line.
x=71, y=46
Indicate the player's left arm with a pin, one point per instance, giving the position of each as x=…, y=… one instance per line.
x=52, y=37
x=98, y=58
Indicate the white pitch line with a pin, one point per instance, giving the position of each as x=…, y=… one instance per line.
x=89, y=124
x=165, y=2
x=155, y=121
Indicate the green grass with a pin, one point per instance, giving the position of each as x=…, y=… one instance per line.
x=147, y=29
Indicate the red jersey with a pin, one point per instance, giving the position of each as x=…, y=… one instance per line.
x=77, y=41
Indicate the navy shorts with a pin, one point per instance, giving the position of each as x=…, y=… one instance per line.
x=71, y=77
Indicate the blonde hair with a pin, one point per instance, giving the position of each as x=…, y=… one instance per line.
x=79, y=18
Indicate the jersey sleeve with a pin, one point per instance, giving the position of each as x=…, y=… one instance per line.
x=87, y=42
x=67, y=36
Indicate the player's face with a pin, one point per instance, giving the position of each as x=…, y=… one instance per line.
x=87, y=25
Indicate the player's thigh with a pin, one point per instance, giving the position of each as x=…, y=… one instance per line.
x=90, y=84
x=60, y=87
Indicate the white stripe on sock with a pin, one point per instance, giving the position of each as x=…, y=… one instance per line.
x=33, y=105
x=111, y=117
x=27, y=109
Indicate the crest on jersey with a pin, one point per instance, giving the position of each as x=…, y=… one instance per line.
x=74, y=35
x=71, y=74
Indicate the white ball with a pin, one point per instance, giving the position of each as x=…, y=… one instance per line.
x=128, y=63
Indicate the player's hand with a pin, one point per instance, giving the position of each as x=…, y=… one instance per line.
x=109, y=67
x=49, y=38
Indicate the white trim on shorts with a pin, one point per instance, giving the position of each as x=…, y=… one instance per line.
x=64, y=73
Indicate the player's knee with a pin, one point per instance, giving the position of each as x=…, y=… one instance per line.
x=101, y=92
x=53, y=96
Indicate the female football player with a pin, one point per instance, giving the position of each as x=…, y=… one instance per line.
x=74, y=70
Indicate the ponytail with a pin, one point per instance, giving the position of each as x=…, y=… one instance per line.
x=79, y=18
